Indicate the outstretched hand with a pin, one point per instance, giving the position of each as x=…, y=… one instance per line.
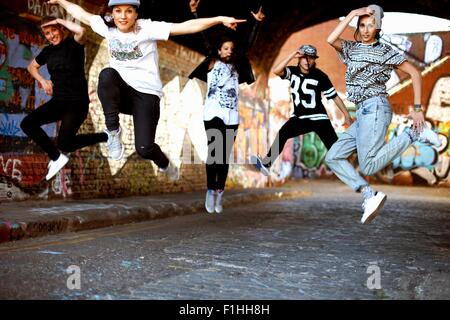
x=232, y=23
x=47, y=85
x=193, y=4
x=418, y=121
x=52, y=1
x=259, y=16
x=364, y=11
x=50, y=23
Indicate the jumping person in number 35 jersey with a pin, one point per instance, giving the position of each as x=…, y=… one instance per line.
x=307, y=85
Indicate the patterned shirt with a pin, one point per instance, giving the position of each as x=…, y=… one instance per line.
x=223, y=94
x=369, y=67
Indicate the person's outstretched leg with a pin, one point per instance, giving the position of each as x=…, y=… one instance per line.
x=292, y=128
x=74, y=114
x=113, y=95
x=31, y=125
x=146, y=112
x=222, y=174
x=374, y=154
x=215, y=133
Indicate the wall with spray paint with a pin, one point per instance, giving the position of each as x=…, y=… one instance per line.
x=89, y=172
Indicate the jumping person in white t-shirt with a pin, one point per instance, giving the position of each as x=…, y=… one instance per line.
x=131, y=84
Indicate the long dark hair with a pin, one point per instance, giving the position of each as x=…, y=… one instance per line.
x=357, y=36
x=218, y=45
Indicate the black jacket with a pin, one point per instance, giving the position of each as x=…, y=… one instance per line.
x=242, y=63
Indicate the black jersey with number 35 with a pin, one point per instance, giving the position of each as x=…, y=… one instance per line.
x=306, y=92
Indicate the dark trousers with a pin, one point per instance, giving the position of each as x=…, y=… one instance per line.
x=221, y=138
x=295, y=127
x=117, y=97
x=71, y=114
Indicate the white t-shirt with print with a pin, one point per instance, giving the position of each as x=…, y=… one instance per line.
x=223, y=94
x=134, y=54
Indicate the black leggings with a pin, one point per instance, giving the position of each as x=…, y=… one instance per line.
x=220, y=144
x=72, y=115
x=295, y=127
x=117, y=97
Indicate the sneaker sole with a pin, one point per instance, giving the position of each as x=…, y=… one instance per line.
x=121, y=155
x=47, y=177
x=374, y=214
x=254, y=161
x=208, y=210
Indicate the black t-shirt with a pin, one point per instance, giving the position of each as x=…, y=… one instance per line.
x=65, y=64
x=306, y=92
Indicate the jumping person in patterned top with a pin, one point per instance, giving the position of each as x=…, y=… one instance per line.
x=131, y=84
x=223, y=70
x=369, y=66
x=307, y=84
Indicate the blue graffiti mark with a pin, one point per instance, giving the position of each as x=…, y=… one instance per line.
x=418, y=155
x=10, y=126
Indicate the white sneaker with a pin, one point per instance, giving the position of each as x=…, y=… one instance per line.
x=171, y=171
x=428, y=136
x=209, y=200
x=258, y=163
x=372, y=206
x=114, y=143
x=55, y=166
x=218, y=207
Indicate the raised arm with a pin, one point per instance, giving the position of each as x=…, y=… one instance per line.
x=193, y=4
x=74, y=10
x=197, y=25
x=78, y=31
x=334, y=38
x=259, y=17
x=279, y=68
x=416, y=78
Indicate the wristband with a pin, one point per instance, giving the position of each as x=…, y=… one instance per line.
x=417, y=108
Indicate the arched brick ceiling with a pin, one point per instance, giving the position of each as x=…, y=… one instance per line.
x=283, y=17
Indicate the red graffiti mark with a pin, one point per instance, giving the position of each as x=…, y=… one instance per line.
x=5, y=231
x=28, y=39
x=21, y=76
x=31, y=168
x=8, y=33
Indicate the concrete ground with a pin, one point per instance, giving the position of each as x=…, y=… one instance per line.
x=309, y=247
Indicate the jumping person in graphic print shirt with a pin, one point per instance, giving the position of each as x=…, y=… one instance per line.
x=223, y=69
x=131, y=84
x=369, y=66
x=307, y=84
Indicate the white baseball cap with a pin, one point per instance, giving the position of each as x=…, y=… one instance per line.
x=378, y=14
x=113, y=3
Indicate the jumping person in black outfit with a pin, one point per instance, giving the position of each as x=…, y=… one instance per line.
x=64, y=57
x=307, y=84
x=223, y=69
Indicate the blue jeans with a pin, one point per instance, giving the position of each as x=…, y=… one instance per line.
x=366, y=136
